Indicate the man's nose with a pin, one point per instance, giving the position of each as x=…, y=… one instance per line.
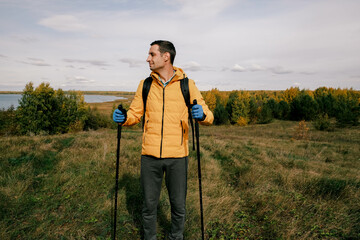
x=148, y=59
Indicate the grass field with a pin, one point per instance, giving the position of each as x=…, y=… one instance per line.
x=259, y=182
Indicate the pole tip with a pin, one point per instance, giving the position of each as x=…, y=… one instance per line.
x=120, y=107
x=195, y=102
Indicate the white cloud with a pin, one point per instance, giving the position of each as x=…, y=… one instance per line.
x=192, y=66
x=92, y=62
x=64, y=23
x=24, y=38
x=201, y=8
x=79, y=80
x=256, y=67
x=238, y=68
x=36, y=62
x=133, y=63
x=280, y=70
x=307, y=72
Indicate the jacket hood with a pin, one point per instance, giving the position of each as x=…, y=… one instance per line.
x=179, y=74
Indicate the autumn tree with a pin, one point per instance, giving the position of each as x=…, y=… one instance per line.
x=347, y=111
x=303, y=107
x=44, y=110
x=284, y=110
x=210, y=98
x=238, y=108
x=290, y=94
x=274, y=106
x=325, y=100
x=266, y=113
x=254, y=110
x=220, y=114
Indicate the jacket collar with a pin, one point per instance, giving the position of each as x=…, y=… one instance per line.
x=179, y=74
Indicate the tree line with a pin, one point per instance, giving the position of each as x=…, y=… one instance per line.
x=319, y=106
x=43, y=110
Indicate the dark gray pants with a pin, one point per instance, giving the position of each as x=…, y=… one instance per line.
x=152, y=172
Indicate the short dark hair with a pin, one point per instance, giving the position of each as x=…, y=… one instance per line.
x=166, y=46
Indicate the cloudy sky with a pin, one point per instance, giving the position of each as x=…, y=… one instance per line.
x=224, y=44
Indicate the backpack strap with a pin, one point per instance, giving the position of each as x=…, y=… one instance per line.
x=145, y=93
x=184, y=84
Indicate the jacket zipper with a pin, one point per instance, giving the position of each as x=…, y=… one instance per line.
x=162, y=123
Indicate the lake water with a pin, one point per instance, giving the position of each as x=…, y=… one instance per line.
x=6, y=100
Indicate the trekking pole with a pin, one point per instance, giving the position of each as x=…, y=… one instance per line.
x=120, y=107
x=199, y=174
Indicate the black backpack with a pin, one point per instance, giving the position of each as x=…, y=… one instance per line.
x=184, y=85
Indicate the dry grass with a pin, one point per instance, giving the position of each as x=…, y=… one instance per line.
x=108, y=107
x=258, y=182
x=278, y=179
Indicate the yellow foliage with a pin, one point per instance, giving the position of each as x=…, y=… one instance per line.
x=242, y=121
x=301, y=131
x=290, y=94
x=210, y=98
x=310, y=93
x=76, y=126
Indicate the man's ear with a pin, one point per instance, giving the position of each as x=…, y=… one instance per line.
x=167, y=56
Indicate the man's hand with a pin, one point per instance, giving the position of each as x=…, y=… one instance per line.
x=197, y=112
x=119, y=116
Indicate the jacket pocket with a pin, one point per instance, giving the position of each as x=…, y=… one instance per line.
x=145, y=131
x=182, y=132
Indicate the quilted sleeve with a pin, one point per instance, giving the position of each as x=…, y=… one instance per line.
x=136, y=109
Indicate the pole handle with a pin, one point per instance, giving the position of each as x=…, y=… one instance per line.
x=194, y=103
x=120, y=107
x=123, y=110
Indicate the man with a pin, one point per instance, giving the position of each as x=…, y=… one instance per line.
x=165, y=136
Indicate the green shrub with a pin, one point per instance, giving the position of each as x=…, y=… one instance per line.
x=323, y=123
x=237, y=107
x=95, y=120
x=326, y=101
x=254, y=110
x=347, y=112
x=266, y=114
x=8, y=123
x=284, y=110
x=220, y=113
x=46, y=111
x=303, y=107
x=274, y=106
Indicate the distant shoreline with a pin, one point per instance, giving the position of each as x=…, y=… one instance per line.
x=12, y=99
x=10, y=92
x=112, y=93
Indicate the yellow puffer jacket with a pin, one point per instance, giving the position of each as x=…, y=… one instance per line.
x=166, y=118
